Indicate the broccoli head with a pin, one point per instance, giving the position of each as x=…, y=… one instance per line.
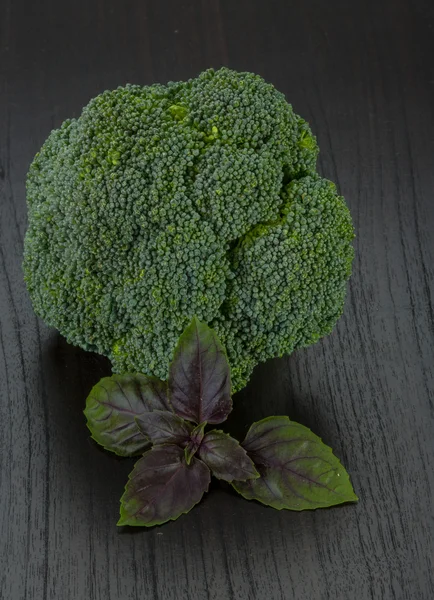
x=192, y=198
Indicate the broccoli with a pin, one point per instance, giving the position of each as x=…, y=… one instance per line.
x=192, y=198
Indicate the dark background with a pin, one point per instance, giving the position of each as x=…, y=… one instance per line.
x=362, y=73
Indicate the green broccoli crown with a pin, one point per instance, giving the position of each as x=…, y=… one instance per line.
x=194, y=198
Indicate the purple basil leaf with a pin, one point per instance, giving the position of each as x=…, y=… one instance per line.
x=298, y=471
x=164, y=427
x=226, y=458
x=162, y=487
x=199, y=376
x=113, y=404
x=196, y=438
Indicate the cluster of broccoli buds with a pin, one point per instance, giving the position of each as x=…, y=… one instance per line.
x=192, y=198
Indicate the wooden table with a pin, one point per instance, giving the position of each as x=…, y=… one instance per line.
x=362, y=73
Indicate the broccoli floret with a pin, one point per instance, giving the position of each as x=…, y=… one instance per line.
x=290, y=275
x=194, y=198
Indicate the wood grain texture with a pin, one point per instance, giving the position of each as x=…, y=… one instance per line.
x=362, y=74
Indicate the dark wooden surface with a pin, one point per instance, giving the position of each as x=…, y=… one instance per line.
x=362, y=73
